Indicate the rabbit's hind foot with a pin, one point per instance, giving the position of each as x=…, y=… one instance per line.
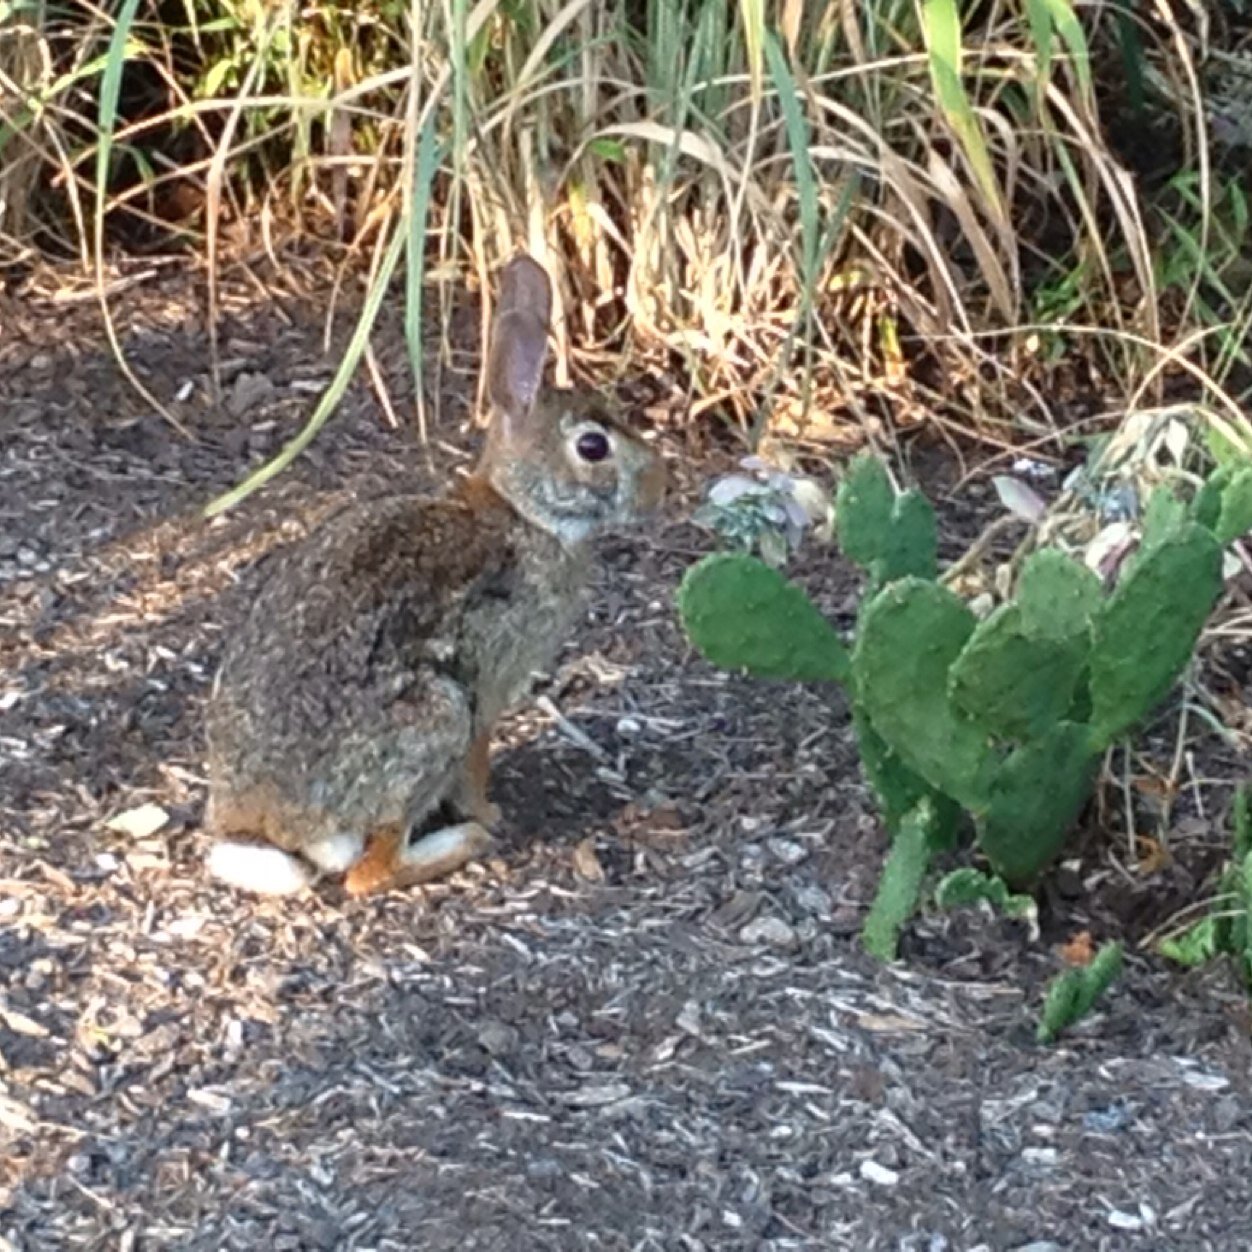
x=267, y=870
x=390, y=861
x=258, y=867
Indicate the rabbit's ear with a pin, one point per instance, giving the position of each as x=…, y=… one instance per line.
x=519, y=337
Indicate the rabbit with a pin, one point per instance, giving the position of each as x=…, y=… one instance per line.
x=349, y=724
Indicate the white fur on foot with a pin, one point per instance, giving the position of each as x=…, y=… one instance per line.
x=443, y=851
x=258, y=867
x=336, y=853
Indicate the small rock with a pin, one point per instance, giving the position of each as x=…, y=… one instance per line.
x=594, y=1095
x=880, y=1175
x=688, y=1019
x=628, y=727
x=769, y=930
x=1227, y=1114
x=497, y=1038
x=586, y=862
x=788, y=851
x=248, y=391
x=1044, y=1158
x=814, y=901
x=139, y=823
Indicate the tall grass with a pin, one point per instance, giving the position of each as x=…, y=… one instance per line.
x=809, y=213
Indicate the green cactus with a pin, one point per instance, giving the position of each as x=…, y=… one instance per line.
x=1000, y=723
x=910, y=634
x=1226, y=928
x=1235, y=518
x=901, y=882
x=966, y=886
x=891, y=536
x=1012, y=683
x=1073, y=994
x=911, y=546
x=1144, y=634
x=1206, y=507
x=742, y=615
x=898, y=788
x=863, y=507
x=1057, y=596
x=1036, y=795
x=1162, y=518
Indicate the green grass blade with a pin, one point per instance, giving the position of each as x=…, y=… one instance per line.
x=425, y=169
x=797, y=131
x=941, y=23
x=334, y=393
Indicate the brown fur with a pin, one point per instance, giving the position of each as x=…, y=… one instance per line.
x=359, y=694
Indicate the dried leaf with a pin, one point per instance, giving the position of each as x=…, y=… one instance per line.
x=586, y=863
x=139, y=823
x=1153, y=855
x=207, y=1098
x=1018, y=498
x=1080, y=950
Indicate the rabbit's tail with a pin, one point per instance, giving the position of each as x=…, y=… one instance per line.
x=259, y=867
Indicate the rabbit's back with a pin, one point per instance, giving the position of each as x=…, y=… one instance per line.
x=389, y=606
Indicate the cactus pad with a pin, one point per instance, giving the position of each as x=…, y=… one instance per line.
x=911, y=545
x=1235, y=519
x=910, y=634
x=898, y=789
x=1035, y=797
x=1145, y=632
x=891, y=536
x=900, y=884
x=743, y=615
x=1058, y=597
x=863, y=507
x=1014, y=685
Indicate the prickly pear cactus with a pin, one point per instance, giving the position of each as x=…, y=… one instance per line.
x=1224, y=504
x=1235, y=518
x=1003, y=720
x=1074, y=993
x=1057, y=596
x=1146, y=631
x=890, y=536
x=743, y=615
x=1014, y=683
x=1036, y=795
x=898, y=789
x=911, y=633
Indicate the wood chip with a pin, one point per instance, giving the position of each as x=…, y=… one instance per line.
x=139, y=823
x=586, y=862
x=20, y=1024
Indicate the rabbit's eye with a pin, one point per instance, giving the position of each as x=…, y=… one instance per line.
x=592, y=445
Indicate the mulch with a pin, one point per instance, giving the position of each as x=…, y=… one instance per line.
x=647, y=1024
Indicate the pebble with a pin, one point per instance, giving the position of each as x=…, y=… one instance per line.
x=815, y=901
x=788, y=851
x=497, y=1038
x=770, y=930
x=871, y=1171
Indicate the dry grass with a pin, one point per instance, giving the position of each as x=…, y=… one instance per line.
x=814, y=225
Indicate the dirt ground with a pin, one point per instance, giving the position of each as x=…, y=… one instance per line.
x=648, y=1025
